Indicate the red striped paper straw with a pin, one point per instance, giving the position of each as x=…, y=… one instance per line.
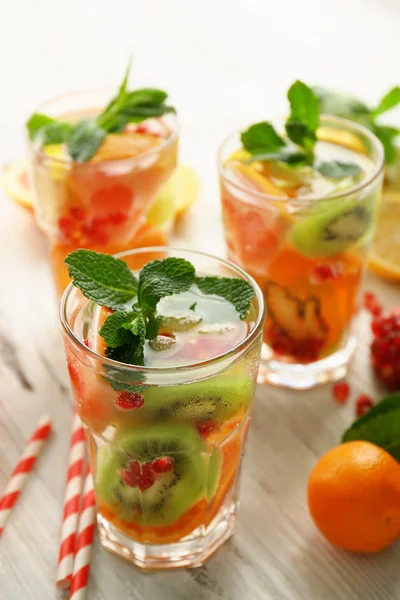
x=21, y=472
x=72, y=498
x=84, y=542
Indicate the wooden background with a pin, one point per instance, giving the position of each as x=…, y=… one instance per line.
x=225, y=64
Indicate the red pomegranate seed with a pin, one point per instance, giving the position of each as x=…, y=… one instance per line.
x=131, y=474
x=370, y=300
x=207, y=428
x=341, y=392
x=324, y=272
x=375, y=309
x=363, y=405
x=116, y=218
x=78, y=213
x=163, y=464
x=147, y=477
x=129, y=400
x=86, y=342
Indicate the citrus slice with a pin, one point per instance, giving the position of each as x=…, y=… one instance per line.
x=384, y=258
x=15, y=184
x=341, y=137
x=179, y=193
x=175, y=197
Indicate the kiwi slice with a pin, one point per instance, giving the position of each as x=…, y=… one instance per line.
x=334, y=229
x=214, y=399
x=193, y=474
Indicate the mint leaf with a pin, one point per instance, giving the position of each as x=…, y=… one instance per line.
x=341, y=105
x=44, y=130
x=115, y=103
x=152, y=327
x=380, y=426
x=237, y=291
x=387, y=135
x=337, y=169
x=261, y=138
x=161, y=278
x=85, y=139
x=131, y=352
x=37, y=121
x=304, y=116
x=290, y=155
x=388, y=102
x=115, y=330
x=121, y=381
x=102, y=278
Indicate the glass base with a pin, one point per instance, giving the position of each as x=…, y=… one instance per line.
x=191, y=551
x=304, y=377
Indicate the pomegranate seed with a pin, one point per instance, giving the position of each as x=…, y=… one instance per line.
x=207, y=428
x=131, y=474
x=376, y=309
x=341, y=392
x=370, y=301
x=363, y=405
x=146, y=478
x=324, y=272
x=116, y=218
x=86, y=342
x=163, y=464
x=129, y=400
x=78, y=213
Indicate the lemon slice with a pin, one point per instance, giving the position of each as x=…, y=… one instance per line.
x=14, y=183
x=341, y=137
x=384, y=258
x=175, y=197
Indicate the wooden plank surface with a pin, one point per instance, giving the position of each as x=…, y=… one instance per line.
x=225, y=64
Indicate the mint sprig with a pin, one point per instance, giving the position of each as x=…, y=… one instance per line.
x=85, y=138
x=109, y=282
x=237, y=291
x=102, y=278
x=161, y=278
x=264, y=144
x=380, y=426
x=352, y=108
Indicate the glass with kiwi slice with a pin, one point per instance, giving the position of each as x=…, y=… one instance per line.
x=299, y=198
x=163, y=349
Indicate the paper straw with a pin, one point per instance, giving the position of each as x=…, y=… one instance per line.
x=72, y=498
x=21, y=472
x=84, y=541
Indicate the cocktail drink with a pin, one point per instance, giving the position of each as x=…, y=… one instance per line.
x=165, y=394
x=96, y=171
x=299, y=202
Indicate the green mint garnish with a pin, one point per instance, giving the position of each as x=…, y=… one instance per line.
x=84, y=139
x=380, y=426
x=303, y=121
x=131, y=331
x=336, y=169
x=193, y=306
x=161, y=278
x=264, y=143
x=45, y=130
x=260, y=138
x=354, y=109
x=237, y=291
x=102, y=278
x=389, y=101
x=109, y=282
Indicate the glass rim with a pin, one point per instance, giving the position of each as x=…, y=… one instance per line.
x=325, y=119
x=38, y=151
x=248, y=340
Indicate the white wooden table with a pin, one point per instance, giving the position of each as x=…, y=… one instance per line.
x=225, y=64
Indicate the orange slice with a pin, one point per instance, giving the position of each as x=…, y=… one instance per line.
x=384, y=258
x=15, y=184
x=342, y=138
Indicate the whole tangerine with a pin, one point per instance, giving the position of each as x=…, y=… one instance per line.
x=354, y=497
